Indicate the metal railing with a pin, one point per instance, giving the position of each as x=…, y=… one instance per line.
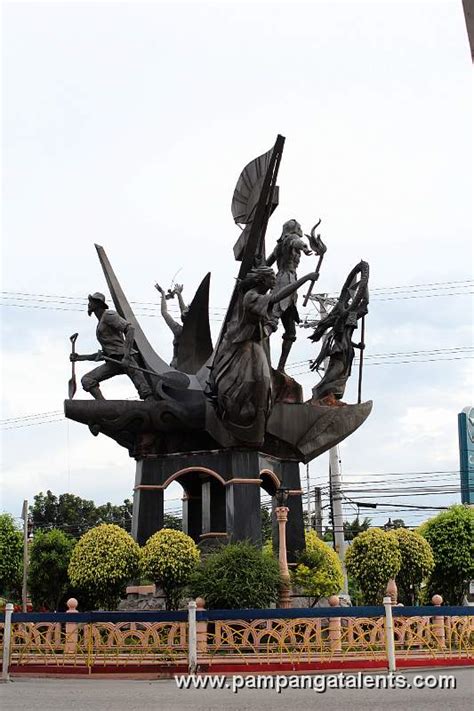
x=206, y=640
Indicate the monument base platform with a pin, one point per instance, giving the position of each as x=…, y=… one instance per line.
x=221, y=495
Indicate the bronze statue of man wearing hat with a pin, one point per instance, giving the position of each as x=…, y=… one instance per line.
x=115, y=336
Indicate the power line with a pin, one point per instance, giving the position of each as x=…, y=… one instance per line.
x=29, y=417
x=388, y=355
x=381, y=294
x=396, y=362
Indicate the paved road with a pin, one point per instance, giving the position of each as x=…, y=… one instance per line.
x=162, y=695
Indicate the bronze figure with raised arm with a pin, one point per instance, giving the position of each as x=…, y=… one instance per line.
x=175, y=327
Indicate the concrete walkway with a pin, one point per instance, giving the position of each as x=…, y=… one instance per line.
x=162, y=695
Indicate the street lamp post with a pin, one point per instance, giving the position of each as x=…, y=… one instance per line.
x=281, y=512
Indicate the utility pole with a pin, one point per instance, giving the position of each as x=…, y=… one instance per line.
x=308, y=494
x=24, y=591
x=325, y=304
x=337, y=517
x=318, y=518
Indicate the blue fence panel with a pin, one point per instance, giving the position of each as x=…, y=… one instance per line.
x=254, y=614
x=149, y=616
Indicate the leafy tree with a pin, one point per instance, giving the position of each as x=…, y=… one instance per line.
x=266, y=523
x=319, y=570
x=11, y=557
x=372, y=559
x=328, y=535
x=103, y=561
x=74, y=515
x=355, y=593
x=353, y=528
x=398, y=523
x=120, y=515
x=237, y=576
x=451, y=537
x=169, y=557
x=66, y=512
x=417, y=563
x=48, y=581
x=173, y=522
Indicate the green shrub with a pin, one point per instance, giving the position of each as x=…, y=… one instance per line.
x=372, y=559
x=451, y=537
x=11, y=557
x=417, y=563
x=103, y=561
x=267, y=548
x=319, y=570
x=48, y=581
x=168, y=558
x=238, y=576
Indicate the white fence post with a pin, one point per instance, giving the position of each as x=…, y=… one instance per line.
x=192, y=638
x=389, y=635
x=7, y=636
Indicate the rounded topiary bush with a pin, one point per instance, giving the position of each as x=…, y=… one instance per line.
x=238, y=576
x=451, y=537
x=417, y=563
x=168, y=558
x=372, y=559
x=11, y=557
x=319, y=571
x=48, y=582
x=102, y=563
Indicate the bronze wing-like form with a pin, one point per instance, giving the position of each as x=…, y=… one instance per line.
x=195, y=343
x=148, y=356
x=248, y=188
x=247, y=194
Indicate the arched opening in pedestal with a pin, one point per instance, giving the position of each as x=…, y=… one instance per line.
x=269, y=481
x=204, y=507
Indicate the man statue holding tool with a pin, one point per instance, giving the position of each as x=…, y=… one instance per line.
x=115, y=336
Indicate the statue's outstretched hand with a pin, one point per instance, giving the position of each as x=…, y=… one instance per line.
x=74, y=357
x=178, y=288
x=159, y=288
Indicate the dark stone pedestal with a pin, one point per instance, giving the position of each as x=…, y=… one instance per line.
x=221, y=499
x=148, y=500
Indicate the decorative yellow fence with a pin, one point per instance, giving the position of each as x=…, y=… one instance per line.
x=98, y=644
x=211, y=640
x=336, y=635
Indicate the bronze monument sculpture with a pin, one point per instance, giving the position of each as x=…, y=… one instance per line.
x=115, y=336
x=175, y=327
x=338, y=347
x=220, y=420
x=287, y=255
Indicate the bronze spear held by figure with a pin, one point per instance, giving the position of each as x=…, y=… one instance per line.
x=361, y=360
x=72, y=383
x=319, y=248
x=174, y=378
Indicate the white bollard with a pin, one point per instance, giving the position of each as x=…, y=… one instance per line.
x=7, y=637
x=389, y=635
x=192, y=637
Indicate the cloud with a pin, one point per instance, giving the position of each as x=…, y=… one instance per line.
x=136, y=141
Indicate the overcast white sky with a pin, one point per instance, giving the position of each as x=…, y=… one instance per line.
x=128, y=125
